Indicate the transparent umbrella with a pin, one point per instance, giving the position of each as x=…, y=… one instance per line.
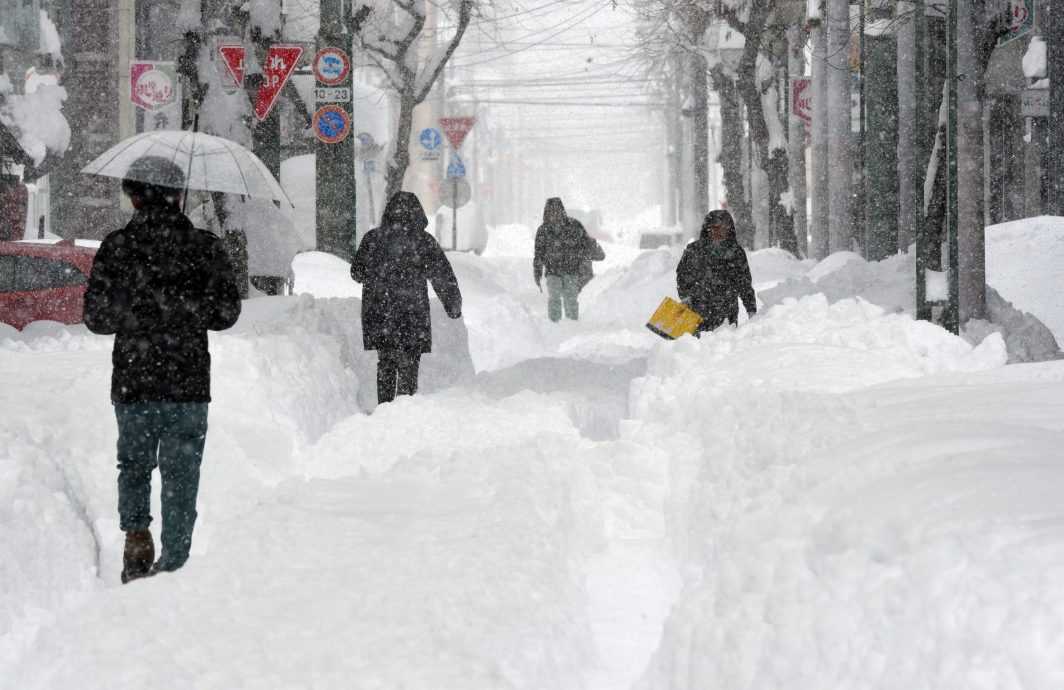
x=208, y=162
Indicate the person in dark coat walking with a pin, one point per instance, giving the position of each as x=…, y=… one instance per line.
x=564, y=252
x=714, y=274
x=159, y=285
x=395, y=261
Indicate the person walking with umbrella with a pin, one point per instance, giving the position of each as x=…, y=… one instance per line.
x=394, y=262
x=714, y=274
x=159, y=285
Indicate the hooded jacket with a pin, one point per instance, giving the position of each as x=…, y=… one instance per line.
x=395, y=261
x=563, y=247
x=712, y=278
x=159, y=285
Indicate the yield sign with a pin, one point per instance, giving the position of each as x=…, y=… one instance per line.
x=456, y=129
x=233, y=57
x=280, y=63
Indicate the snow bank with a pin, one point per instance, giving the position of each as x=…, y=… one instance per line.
x=291, y=369
x=1023, y=263
x=891, y=284
x=855, y=510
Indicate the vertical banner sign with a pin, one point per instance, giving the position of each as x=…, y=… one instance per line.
x=802, y=98
x=1021, y=20
x=153, y=85
x=456, y=129
x=280, y=63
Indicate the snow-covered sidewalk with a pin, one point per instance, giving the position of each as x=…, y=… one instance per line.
x=831, y=495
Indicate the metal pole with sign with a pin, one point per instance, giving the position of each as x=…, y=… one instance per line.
x=332, y=121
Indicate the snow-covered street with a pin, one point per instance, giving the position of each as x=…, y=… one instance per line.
x=832, y=495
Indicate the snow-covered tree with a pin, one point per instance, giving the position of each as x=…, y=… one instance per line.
x=392, y=35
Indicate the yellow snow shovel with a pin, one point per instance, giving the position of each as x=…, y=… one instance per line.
x=673, y=319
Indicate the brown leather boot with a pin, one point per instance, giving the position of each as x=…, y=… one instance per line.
x=139, y=555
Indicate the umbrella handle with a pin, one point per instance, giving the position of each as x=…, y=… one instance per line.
x=184, y=199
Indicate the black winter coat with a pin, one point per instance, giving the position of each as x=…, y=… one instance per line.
x=159, y=285
x=394, y=262
x=713, y=281
x=563, y=248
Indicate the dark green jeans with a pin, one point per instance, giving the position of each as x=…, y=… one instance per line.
x=169, y=436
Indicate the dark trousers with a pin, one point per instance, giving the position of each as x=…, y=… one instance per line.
x=397, y=372
x=169, y=436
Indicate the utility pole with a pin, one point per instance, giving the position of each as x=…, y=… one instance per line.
x=796, y=38
x=818, y=231
x=840, y=133
x=334, y=168
x=880, y=141
x=1054, y=38
x=951, y=317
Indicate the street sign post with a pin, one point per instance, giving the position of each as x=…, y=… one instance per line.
x=153, y=85
x=334, y=166
x=332, y=124
x=455, y=192
x=281, y=61
x=456, y=129
x=331, y=66
x=332, y=94
x=233, y=59
x=1021, y=20
x=802, y=98
x=430, y=140
x=456, y=168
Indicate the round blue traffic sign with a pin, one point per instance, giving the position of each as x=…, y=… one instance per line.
x=332, y=124
x=431, y=139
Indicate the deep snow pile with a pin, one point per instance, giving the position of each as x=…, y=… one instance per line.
x=851, y=521
x=891, y=284
x=831, y=495
x=1025, y=263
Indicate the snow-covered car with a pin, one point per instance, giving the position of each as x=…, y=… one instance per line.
x=43, y=281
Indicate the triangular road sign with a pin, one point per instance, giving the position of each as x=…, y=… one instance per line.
x=456, y=129
x=280, y=63
x=233, y=57
x=456, y=168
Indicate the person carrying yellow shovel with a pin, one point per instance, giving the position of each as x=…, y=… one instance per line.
x=711, y=278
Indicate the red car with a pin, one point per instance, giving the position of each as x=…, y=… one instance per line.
x=43, y=281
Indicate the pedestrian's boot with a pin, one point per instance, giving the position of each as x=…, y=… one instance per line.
x=139, y=555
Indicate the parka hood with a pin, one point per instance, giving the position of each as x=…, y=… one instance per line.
x=720, y=215
x=404, y=209
x=553, y=205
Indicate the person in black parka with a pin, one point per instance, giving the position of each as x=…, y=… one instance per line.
x=564, y=252
x=159, y=285
x=394, y=262
x=714, y=274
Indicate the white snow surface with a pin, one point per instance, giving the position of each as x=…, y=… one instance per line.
x=830, y=495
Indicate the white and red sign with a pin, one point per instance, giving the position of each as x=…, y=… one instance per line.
x=153, y=85
x=331, y=66
x=281, y=61
x=233, y=58
x=456, y=129
x=802, y=98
